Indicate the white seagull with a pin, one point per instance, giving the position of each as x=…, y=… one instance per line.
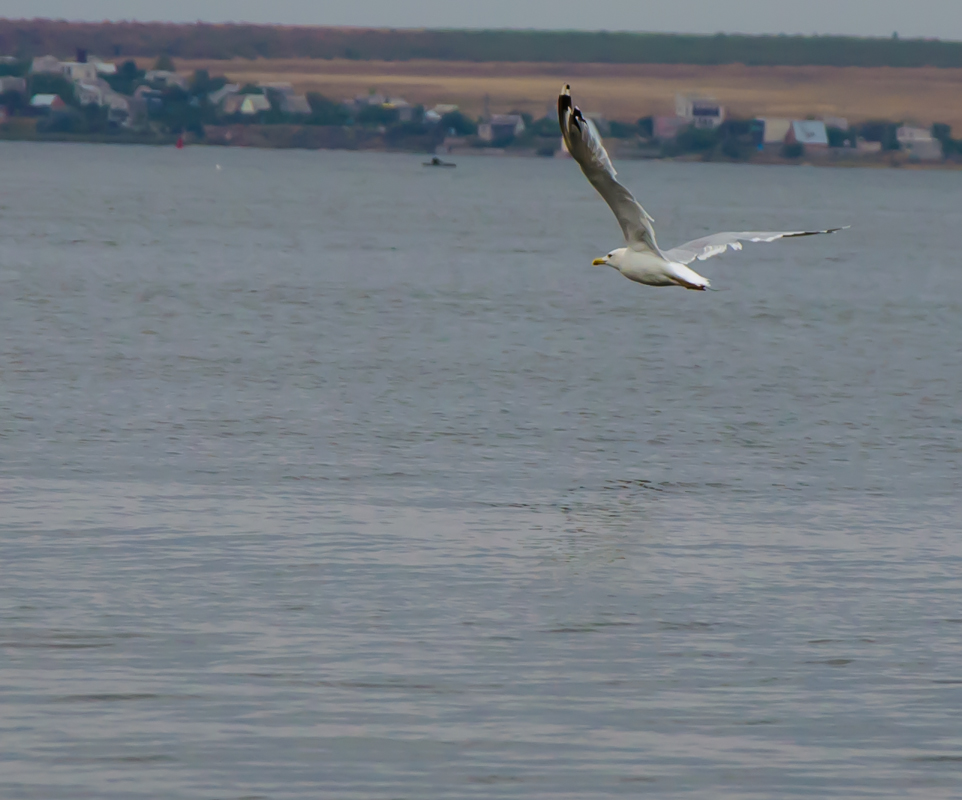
x=642, y=260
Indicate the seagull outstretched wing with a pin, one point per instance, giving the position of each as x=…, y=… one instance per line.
x=709, y=246
x=584, y=144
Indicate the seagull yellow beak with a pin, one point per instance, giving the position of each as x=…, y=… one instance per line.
x=599, y=262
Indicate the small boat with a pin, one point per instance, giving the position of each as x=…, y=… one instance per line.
x=437, y=162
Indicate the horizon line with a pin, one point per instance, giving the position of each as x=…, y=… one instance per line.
x=507, y=29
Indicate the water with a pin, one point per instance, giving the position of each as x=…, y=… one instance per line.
x=326, y=475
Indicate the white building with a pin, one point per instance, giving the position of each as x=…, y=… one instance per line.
x=919, y=143
x=405, y=111
x=808, y=132
x=702, y=112
x=8, y=83
x=49, y=102
x=164, y=77
x=103, y=67
x=118, y=108
x=433, y=115
x=218, y=97
x=254, y=103
x=78, y=72
x=776, y=129
x=295, y=104
x=232, y=103
x=46, y=65
x=501, y=126
x=90, y=94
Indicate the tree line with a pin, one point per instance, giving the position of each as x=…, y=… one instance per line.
x=27, y=38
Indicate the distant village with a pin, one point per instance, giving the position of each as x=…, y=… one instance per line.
x=92, y=98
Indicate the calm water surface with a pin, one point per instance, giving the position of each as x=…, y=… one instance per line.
x=326, y=475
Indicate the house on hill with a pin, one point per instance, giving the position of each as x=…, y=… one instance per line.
x=46, y=65
x=295, y=104
x=165, y=78
x=254, y=104
x=79, y=72
x=47, y=102
x=919, y=143
x=501, y=126
x=218, y=97
x=433, y=115
x=775, y=129
x=90, y=94
x=8, y=83
x=808, y=132
x=232, y=103
x=103, y=67
x=702, y=112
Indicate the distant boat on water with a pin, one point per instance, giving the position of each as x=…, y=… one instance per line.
x=437, y=162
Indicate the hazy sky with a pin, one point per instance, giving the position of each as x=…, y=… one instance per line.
x=928, y=18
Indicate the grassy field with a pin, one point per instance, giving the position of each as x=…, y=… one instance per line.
x=624, y=91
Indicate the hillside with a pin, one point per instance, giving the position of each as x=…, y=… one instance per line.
x=197, y=41
x=622, y=91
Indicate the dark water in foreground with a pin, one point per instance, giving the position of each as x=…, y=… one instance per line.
x=326, y=475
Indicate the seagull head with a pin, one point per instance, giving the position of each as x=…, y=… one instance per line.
x=613, y=259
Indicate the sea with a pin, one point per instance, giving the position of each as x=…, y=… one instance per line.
x=329, y=475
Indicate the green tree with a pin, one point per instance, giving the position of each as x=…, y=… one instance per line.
x=943, y=133
x=43, y=83
x=840, y=138
x=376, y=115
x=622, y=130
x=66, y=121
x=697, y=140
x=546, y=126
x=202, y=83
x=325, y=111
x=93, y=119
x=126, y=79
x=793, y=150
x=17, y=69
x=880, y=131
x=459, y=123
x=179, y=112
x=14, y=101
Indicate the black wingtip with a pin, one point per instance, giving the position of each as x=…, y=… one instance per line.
x=816, y=233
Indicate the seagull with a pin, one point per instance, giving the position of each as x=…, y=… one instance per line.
x=642, y=260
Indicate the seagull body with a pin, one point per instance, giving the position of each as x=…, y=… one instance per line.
x=642, y=260
x=652, y=268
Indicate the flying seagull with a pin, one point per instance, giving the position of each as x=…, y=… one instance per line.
x=642, y=260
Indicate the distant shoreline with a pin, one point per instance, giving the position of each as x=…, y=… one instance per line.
x=619, y=91
x=261, y=140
